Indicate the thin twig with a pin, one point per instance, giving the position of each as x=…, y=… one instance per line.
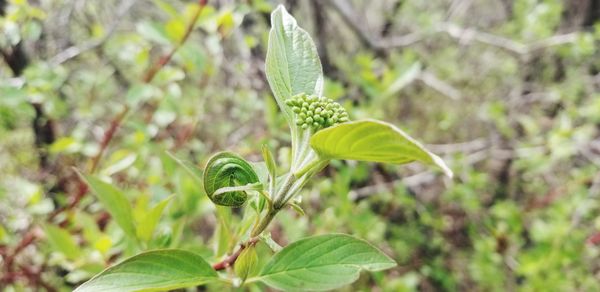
x=439, y=85
x=463, y=35
x=108, y=136
x=165, y=59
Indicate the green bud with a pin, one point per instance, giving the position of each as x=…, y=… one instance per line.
x=316, y=112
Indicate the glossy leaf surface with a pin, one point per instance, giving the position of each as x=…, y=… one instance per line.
x=372, y=140
x=323, y=262
x=153, y=270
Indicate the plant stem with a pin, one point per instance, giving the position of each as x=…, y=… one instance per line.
x=264, y=223
x=281, y=193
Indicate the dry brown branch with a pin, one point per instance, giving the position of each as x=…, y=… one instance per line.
x=465, y=36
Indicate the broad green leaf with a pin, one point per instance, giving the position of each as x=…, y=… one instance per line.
x=323, y=262
x=148, y=224
x=61, y=240
x=153, y=270
x=292, y=63
x=372, y=140
x=115, y=203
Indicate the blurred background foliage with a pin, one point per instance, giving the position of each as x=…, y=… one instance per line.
x=507, y=91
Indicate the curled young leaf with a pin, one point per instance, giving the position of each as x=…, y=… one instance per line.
x=227, y=178
x=372, y=140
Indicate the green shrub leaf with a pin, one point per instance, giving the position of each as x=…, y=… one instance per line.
x=246, y=263
x=150, y=220
x=292, y=64
x=153, y=270
x=372, y=140
x=323, y=262
x=115, y=202
x=61, y=240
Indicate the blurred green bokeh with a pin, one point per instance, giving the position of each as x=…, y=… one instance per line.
x=506, y=91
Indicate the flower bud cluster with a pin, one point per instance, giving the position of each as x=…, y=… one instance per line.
x=316, y=112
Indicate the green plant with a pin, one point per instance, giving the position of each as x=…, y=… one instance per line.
x=320, y=131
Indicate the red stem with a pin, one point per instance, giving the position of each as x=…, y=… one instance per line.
x=230, y=260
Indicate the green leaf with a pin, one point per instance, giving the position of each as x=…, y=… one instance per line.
x=269, y=161
x=227, y=177
x=61, y=240
x=156, y=270
x=372, y=140
x=323, y=262
x=153, y=31
x=148, y=224
x=272, y=168
x=246, y=263
x=192, y=170
x=115, y=203
x=292, y=63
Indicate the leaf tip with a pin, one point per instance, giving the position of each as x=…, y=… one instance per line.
x=442, y=165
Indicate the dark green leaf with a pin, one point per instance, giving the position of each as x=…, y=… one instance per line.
x=153, y=270
x=323, y=262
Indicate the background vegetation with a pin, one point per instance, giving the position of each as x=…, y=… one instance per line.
x=508, y=92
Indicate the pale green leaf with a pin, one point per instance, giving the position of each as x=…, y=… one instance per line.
x=148, y=224
x=61, y=240
x=292, y=63
x=115, y=202
x=246, y=263
x=153, y=270
x=323, y=262
x=153, y=32
x=192, y=170
x=372, y=140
